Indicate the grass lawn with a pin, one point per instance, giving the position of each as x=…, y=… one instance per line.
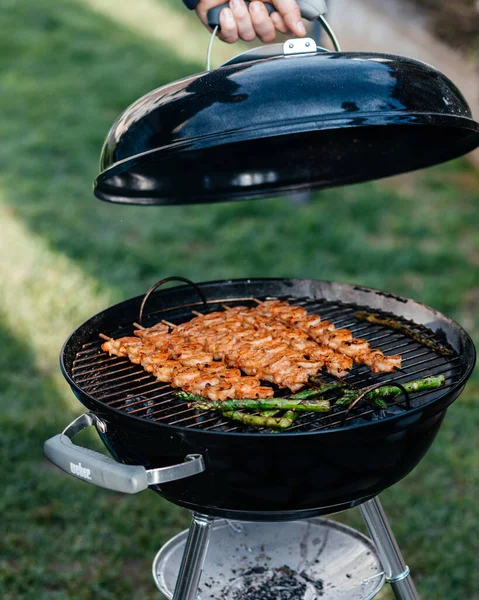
x=65, y=74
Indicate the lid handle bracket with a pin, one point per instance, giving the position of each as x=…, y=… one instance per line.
x=310, y=10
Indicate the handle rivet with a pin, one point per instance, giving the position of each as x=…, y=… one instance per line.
x=291, y=45
x=101, y=425
x=307, y=44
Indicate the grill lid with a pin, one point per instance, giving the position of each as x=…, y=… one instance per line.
x=279, y=119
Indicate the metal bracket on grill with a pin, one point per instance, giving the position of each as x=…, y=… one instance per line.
x=372, y=388
x=100, y=470
x=160, y=283
x=301, y=46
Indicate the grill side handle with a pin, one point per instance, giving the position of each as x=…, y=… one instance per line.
x=100, y=470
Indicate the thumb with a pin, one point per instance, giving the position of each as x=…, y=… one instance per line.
x=289, y=10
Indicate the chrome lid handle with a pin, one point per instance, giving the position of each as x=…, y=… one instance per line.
x=213, y=15
x=310, y=10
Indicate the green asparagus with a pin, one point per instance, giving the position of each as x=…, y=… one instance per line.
x=261, y=421
x=405, y=330
x=290, y=416
x=294, y=405
x=350, y=396
x=376, y=397
x=264, y=404
x=268, y=418
x=325, y=387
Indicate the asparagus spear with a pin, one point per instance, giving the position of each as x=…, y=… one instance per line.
x=349, y=397
x=271, y=420
x=268, y=418
x=376, y=397
x=260, y=421
x=405, y=330
x=264, y=404
x=324, y=387
x=290, y=416
x=305, y=394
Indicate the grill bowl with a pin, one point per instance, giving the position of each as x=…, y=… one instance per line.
x=312, y=470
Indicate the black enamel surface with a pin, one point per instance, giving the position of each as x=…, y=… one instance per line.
x=278, y=124
x=275, y=476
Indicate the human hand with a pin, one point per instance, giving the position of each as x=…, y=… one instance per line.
x=237, y=22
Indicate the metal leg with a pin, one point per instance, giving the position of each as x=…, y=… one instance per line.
x=397, y=572
x=193, y=558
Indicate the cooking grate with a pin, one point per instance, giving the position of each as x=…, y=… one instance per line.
x=127, y=387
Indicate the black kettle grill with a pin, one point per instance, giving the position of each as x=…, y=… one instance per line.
x=272, y=120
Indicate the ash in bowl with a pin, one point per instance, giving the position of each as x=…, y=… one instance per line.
x=283, y=583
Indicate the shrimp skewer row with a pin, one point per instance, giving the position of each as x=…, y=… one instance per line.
x=260, y=354
x=221, y=332
x=215, y=381
x=274, y=341
x=326, y=333
x=222, y=345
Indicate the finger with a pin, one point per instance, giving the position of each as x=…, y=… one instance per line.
x=262, y=23
x=278, y=22
x=289, y=10
x=202, y=16
x=202, y=9
x=229, y=31
x=243, y=20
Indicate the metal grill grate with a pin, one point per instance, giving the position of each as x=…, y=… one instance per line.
x=127, y=387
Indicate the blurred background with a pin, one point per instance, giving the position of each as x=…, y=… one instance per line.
x=67, y=69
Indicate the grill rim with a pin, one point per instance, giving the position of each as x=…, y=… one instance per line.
x=441, y=402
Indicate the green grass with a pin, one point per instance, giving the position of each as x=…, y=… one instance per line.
x=65, y=74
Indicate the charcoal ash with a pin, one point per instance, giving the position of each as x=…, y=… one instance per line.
x=283, y=583
x=132, y=403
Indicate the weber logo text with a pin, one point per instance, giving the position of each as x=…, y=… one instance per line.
x=80, y=471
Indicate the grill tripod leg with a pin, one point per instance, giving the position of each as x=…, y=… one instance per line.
x=397, y=572
x=193, y=558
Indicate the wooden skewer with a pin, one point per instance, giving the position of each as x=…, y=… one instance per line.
x=198, y=314
x=172, y=325
x=105, y=337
